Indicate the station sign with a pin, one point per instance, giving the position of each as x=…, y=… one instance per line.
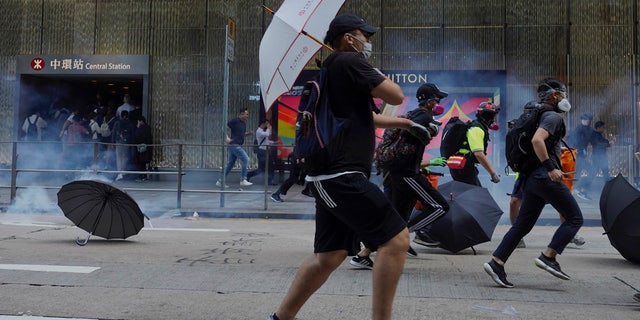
x=83, y=64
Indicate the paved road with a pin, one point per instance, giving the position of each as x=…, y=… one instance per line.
x=214, y=268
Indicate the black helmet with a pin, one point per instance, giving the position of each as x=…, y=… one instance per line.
x=487, y=111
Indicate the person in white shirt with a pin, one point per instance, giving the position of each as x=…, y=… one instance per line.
x=39, y=124
x=263, y=133
x=125, y=106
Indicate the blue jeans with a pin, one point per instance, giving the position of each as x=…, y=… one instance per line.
x=236, y=152
x=538, y=190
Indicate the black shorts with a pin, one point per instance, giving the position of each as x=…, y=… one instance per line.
x=517, y=187
x=349, y=209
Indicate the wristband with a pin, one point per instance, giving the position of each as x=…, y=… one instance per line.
x=548, y=164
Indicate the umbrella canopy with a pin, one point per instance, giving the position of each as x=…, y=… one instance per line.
x=473, y=216
x=620, y=212
x=290, y=41
x=100, y=209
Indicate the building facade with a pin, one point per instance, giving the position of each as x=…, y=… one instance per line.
x=590, y=44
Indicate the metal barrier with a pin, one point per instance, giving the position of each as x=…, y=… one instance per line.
x=95, y=168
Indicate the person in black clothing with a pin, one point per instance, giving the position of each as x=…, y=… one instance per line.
x=348, y=206
x=475, y=145
x=581, y=138
x=122, y=134
x=297, y=174
x=143, y=151
x=404, y=184
x=599, y=158
x=543, y=185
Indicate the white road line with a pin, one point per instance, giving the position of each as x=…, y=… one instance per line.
x=34, y=224
x=185, y=229
x=48, y=268
x=38, y=318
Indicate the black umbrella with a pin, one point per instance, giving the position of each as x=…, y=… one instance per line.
x=472, y=217
x=620, y=211
x=100, y=209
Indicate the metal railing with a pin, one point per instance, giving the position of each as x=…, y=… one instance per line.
x=29, y=164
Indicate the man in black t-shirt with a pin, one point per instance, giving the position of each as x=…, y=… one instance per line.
x=543, y=185
x=348, y=206
x=238, y=130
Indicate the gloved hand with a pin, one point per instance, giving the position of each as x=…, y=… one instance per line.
x=420, y=132
x=495, y=178
x=440, y=161
x=425, y=170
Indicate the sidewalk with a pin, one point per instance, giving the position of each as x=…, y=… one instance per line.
x=202, y=196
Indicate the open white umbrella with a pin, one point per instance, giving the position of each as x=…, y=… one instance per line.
x=290, y=41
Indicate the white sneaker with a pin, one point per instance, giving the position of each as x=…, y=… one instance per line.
x=578, y=240
x=245, y=183
x=218, y=183
x=119, y=177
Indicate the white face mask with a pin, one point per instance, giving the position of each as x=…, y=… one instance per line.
x=564, y=105
x=584, y=122
x=367, y=47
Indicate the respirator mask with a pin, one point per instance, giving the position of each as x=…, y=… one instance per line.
x=564, y=105
x=367, y=47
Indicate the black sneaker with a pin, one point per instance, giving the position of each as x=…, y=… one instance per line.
x=276, y=197
x=361, y=262
x=307, y=193
x=552, y=266
x=273, y=317
x=422, y=238
x=411, y=252
x=497, y=273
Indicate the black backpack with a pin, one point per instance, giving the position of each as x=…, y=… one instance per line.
x=393, y=147
x=32, y=129
x=453, y=136
x=319, y=133
x=518, y=148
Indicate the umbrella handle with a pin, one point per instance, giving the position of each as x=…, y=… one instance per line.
x=82, y=243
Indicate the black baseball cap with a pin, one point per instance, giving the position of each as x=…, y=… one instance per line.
x=344, y=23
x=430, y=90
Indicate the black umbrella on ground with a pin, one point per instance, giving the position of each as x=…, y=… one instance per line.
x=471, y=220
x=100, y=209
x=620, y=212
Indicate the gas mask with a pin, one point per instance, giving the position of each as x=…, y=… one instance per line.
x=564, y=105
x=367, y=47
x=437, y=109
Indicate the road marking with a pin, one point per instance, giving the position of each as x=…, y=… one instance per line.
x=48, y=268
x=34, y=224
x=185, y=229
x=38, y=318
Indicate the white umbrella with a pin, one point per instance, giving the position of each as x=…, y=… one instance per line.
x=290, y=41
